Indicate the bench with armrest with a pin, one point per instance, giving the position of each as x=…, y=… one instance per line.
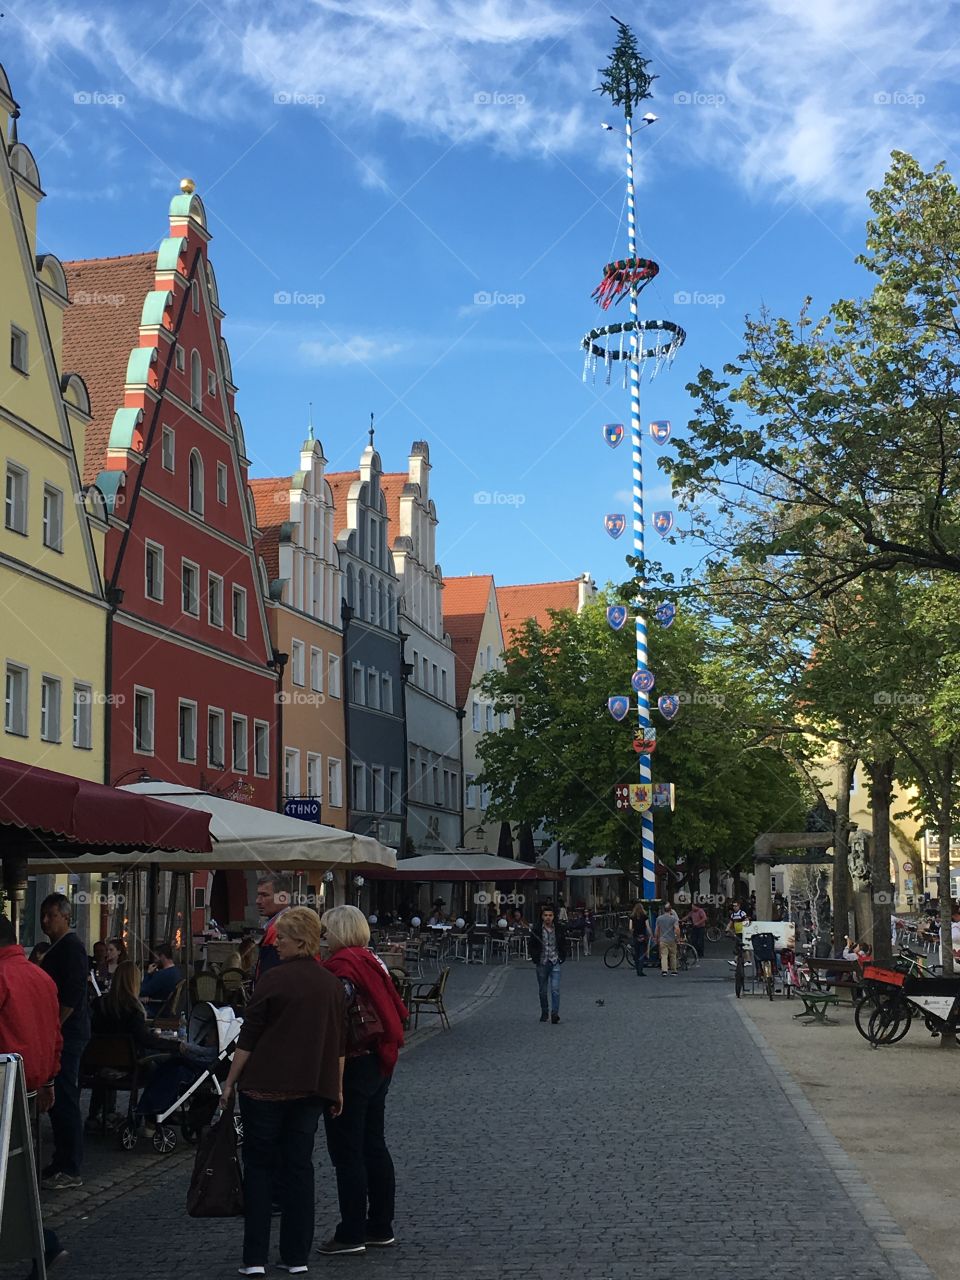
x=826, y=973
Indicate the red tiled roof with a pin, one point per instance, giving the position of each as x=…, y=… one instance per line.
x=464, y=609
x=391, y=483
x=532, y=600
x=99, y=334
x=271, y=498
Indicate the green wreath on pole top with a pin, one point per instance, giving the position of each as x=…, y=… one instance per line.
x=625, y=79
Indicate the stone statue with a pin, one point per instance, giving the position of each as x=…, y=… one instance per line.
x=858, y=858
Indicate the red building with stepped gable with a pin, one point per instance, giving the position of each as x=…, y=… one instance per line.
x=189, y=652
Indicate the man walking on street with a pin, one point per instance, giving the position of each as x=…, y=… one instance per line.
x=274, y=897
x=665, y=937
x=697, y=919
x=67, y=964
x=30, y=1026
x=548, y=950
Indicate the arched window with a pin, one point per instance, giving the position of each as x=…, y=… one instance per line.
x=381, y=605
x=196, y=483
x=351, y=587
x=362, y=595
x=196, y=381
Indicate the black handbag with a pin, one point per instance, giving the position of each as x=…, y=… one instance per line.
x=365, y=1030
x=216, y=1187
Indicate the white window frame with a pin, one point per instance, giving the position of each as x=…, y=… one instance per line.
x=215, y=715
x=489, y=717
x=19, y=345
x=333, y=674
x=316, y=669
x=82, y=716
x=291, y=756
x=187, y=704
x=334, y=782
x=19, y=715
x=470, y=790
x=386, y=693
x=214, y=580
x=238, y=594
x=315, y=775
x=50, y=687
x=211, y=383
x=372, y=690
x=443, y=684
x=379, y=793
x=16, y=513
x=51, y=494
x=435, y=680
x=222, y=483
x=475, y=715
x=168, y=437
x=261, y=758
x=150, y=698
x=190, y=564
x=157, y=549
x=180, y=359
x=298, y=653
x=356, y=679
x=239, y=760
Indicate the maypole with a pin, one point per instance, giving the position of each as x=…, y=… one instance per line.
x=627, y=82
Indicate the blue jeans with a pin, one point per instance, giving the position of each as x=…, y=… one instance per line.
x=278, y=1165
x=65, y=1118
x=640, y=947
x=548, y=974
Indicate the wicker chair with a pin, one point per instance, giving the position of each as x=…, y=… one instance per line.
x=429, y=997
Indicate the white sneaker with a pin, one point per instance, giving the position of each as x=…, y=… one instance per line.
x=294, y=1271
x=252, y=1271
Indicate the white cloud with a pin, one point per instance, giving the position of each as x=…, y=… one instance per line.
x=372, y=172
x=358, y=349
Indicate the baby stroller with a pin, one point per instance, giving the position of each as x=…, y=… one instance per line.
x=191, y=1085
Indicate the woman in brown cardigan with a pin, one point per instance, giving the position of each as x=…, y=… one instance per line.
x=288, y=1066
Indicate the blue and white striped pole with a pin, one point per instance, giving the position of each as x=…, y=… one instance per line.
x=636, y=441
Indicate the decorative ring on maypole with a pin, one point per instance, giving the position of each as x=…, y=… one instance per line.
x=620, y=277
x=667, y=341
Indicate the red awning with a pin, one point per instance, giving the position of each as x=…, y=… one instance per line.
x=60, y=809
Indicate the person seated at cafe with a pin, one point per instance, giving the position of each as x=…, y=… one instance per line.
x=120, y=1012
x=161, y=979
x=115, y=955
x=436, y=914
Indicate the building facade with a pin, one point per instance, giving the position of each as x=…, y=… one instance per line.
x=472, y=619
x=434, y=765
x=52, y=607
x=295, y=515
x=373, y=678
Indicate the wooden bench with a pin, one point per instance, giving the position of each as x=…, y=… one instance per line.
x=816, y=1004
x=840, y=975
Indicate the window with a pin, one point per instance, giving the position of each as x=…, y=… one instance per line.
x=215, y=600
x=484, y=797
x=18, y=349
x=291, y=771
x=238, y=728
x=424, y=678
x=239, y=611
x=187, y=731
x=83, y=716
x=334, y=783
x=314, y=776
x=15, y=505
x=15, y=706
x=261, y=748
x=333, y=675
x=297, y=653
x=316, y=670
x=475, y=711
x=489, y=710
x=454, y=801
x=168, y=448
x=373, y=689
x=443, y=684
x=374, y=545
x=215, y=752
x=195, y=483
x=195, y=297
x=489, y=657
x=446, y=787
x=379, y=800
x=357, y=685
x=470, y=793
x=395, y=787
x=178, y=359
x=143, y=702
x=190, y=588
x=416, y=667
x=412, y=777
x=222, y=483
x=196, y=381
x=480, y=658
x=437, y=796
x=358, y=786
x=386, y=694
x=50, y=709
x=52, y=518
x=153, y=570
x=435, y=686
x=211, y=383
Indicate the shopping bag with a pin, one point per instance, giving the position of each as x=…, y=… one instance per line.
x=216, y=1187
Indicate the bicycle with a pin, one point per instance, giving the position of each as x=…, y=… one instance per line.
x=764, y=959
x=619, y=950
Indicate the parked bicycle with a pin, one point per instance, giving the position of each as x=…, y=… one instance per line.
x=621, y=948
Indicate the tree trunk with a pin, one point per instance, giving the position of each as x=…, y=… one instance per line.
x=842, y=887
x=945, y=830
x=881, y=796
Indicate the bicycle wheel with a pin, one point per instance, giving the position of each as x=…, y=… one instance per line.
x=863, y=1011
x=889, y=1023
x=687, y=957
x=738, y=980
x=615, y=955
x=714, y=934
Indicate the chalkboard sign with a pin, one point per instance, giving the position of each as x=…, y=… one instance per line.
x=21, y=1225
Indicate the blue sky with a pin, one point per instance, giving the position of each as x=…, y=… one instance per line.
x=383, y=165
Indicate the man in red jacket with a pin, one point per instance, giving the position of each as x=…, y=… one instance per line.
x=30, y=1026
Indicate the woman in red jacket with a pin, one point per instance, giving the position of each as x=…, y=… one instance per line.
x=355, y=1138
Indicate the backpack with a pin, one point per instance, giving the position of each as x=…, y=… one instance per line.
x=216, y=1187
x=365, y=1028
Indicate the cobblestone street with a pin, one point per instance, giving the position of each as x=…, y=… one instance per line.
x=648, y=1133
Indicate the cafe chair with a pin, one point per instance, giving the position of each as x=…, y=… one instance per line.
x=233, y=987
x=206, y=988
x=111, y=1061
x=429, y=997
x=174, y=1005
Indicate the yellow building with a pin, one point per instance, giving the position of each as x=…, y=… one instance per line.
x=52, y=609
